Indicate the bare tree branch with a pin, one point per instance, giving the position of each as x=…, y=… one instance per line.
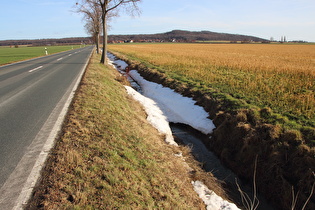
x=250, y=204
x=311, y=193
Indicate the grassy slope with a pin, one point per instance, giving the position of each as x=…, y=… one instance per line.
x=110, y=157
x=10, y=55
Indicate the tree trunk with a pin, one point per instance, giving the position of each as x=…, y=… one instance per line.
x=104, y=54
x=97, y=43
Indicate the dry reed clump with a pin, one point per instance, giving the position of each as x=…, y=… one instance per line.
x=293, y=137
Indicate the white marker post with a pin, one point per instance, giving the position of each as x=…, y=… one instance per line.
x=46, y=51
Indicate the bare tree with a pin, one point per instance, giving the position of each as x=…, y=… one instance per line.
x=110, y=8
x=93, y=16
x=101, y=11
x=90, y=29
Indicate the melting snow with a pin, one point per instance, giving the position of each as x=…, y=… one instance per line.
x=176, y=108
x=155, y=115
x=211, y=199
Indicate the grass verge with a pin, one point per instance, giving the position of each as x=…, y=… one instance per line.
x=109, y=157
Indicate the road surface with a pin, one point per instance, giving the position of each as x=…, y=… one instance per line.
x=34, y=96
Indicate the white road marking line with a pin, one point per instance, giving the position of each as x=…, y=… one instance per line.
x=69, y=54
x=59, y=59
x=35, y=69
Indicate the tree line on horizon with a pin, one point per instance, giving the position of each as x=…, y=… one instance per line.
x=47, y=42
x=175, y=35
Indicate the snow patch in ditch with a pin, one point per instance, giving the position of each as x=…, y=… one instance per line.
x=177, y=108
x=211, y=199
x=155, y=115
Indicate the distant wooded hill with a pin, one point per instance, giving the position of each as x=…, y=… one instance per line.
x=172, y=36
x=185, y=36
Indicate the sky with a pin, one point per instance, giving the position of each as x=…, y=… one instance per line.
x=37, y=19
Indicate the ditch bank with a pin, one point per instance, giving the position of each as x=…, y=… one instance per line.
x=285, y=165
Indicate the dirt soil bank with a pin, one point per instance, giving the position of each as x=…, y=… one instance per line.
x=285, y=166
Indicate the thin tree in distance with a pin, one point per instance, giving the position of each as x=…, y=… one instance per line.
x=92, y=15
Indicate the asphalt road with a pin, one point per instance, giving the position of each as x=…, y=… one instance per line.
x=32, y=96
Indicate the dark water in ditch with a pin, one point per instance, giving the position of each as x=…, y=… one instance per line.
x=186, y=135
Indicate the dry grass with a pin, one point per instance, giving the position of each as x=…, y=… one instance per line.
x=278, y=76
x=109, y=157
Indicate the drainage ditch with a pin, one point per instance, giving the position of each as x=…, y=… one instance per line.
x=186, y=135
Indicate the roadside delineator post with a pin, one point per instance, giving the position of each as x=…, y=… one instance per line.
x=46, y=51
